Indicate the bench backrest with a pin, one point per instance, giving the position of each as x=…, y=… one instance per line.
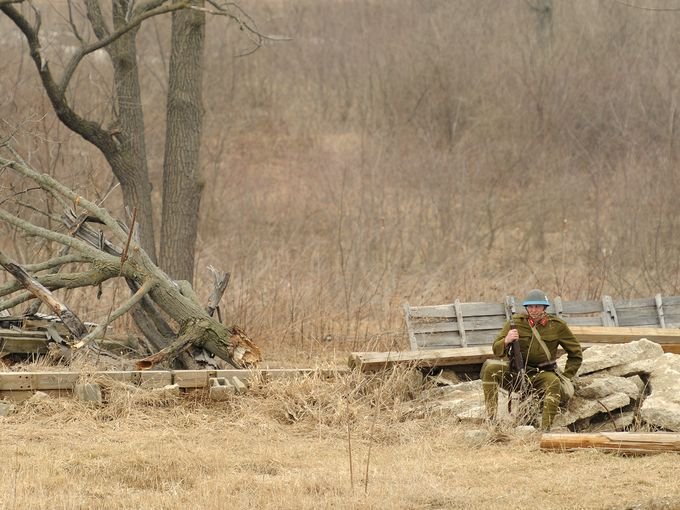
x=468, y=324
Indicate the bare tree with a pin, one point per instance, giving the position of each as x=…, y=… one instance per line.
x=123, y=142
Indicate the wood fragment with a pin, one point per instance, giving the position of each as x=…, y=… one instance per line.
x=628, y=443
x=70, y=320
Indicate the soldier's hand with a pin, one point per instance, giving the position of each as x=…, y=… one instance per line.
x=512, y=336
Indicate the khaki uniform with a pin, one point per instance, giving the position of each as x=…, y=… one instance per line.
x=555, y=333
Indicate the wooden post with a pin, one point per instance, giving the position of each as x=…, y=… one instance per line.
x=659, y=310
x=461, y=326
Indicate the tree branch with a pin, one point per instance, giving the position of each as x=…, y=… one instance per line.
x=70, y=320
x=67, y=280
x=107, y=39
x=123, y=309
x=89, y=130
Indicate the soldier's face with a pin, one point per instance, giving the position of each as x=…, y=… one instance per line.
x=535, y=311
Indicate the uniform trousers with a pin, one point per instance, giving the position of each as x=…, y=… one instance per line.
x=545, y=384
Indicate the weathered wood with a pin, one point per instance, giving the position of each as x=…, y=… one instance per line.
x=371, y=361
x=440, y=326
x=613, y=335
x=220, y=282
x=21, y=382
x=70, y=320
x=631, y=443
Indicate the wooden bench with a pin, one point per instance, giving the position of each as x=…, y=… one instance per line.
x=475, y=324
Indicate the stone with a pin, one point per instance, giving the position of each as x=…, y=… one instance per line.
x=661, y=408
x=466, y=401
x=580, y=408
x=641, y=367
x=525, y=430
x=597, y=387
x=622, y=420
x=90, y=393
x=39, y=395
x=604, y=356
x=6, y=408
x=167, y=391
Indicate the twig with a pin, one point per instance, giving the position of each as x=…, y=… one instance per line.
x=349, y=448
x=124, y=255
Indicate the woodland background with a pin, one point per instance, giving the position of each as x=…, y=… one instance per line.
x=397, y=151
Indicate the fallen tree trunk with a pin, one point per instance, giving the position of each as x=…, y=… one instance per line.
x=630, y=443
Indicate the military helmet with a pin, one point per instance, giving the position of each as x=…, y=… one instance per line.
x=536, y=297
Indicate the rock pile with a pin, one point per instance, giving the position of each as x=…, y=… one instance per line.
x=618, y=387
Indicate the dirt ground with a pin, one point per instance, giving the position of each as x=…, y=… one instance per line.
x=354, y=442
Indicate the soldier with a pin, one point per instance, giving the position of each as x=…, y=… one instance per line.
x=538, y=335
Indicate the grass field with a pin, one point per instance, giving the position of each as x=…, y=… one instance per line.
x=352, y=442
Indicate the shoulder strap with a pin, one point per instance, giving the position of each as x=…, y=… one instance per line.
x=541, y=342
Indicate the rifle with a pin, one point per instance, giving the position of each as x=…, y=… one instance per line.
x=516, y=367
x=516, y=360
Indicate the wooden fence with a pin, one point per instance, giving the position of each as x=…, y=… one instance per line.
x=473, y=324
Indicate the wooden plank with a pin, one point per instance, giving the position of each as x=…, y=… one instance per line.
x=155, y=378
x=441, y=311
x=584, y=321
x=193, y=378
x=481, y=309
x=439, y=340
x=65, y=381
x=617, y=442
x=28, y=345
x=627, y=304
x=16, y=381
x=493, y=323
x=370, y=361
x=17, y=333
x=643, y=317
x=581, y=307
x=613, y=335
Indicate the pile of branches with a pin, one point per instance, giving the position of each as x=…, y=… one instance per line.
x=110, y=252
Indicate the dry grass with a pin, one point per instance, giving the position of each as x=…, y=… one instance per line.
x=392, y=151
x=287, y=445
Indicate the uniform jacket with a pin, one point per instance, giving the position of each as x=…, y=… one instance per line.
x=555, y=333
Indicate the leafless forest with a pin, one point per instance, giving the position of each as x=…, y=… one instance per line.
x=398, y=151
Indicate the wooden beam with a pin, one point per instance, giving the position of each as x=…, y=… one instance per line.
x=459, y=356
x=622, y=335
x=65, y=381
x=631, y=443
x=370, y=361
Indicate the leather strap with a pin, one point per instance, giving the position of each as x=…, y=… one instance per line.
x=541, y=343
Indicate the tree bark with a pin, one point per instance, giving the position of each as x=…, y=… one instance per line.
x=182, y=185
